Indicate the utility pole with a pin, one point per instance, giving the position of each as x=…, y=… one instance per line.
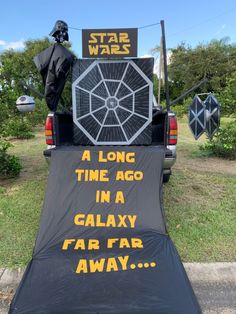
x=160, y=73
x=165, y=65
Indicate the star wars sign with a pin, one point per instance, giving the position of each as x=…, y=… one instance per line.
x=109, y=43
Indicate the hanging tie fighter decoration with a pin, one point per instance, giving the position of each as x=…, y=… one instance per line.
x=204, y=116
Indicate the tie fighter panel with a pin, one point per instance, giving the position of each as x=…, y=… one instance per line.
x=112, y=102
x=197, y=117
x=212, y=115
x=204, y=116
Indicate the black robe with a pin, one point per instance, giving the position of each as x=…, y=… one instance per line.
x=54, y=64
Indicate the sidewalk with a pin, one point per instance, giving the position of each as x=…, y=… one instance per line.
x=213, y=283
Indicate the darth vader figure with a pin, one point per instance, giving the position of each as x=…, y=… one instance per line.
x=54, y=64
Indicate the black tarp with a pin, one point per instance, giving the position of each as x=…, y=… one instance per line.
x=145, y=278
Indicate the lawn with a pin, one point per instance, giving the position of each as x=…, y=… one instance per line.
x=199, y=202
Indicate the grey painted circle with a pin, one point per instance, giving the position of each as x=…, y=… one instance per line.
x=111, y=102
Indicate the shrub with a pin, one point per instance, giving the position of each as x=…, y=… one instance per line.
x=223, y=143
x=182, y=109
x=179, y=110
x=9, y=164
x=18, y=128
x=38, y=116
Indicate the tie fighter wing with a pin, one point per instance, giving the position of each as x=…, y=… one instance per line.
x=196, y=117
x=212, y=115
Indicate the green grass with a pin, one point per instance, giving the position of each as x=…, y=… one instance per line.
x=200, y=212
x=21, y=201
x=199, y=202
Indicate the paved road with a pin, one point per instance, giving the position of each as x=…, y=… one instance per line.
x=214, y=285
x=217, y=298
x=214, y=298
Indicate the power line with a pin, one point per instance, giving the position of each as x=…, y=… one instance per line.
x=203, y=22
x=140, y=27
x=75, y=28
x=149, y=25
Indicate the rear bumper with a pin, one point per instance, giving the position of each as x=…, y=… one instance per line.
x=170, y=158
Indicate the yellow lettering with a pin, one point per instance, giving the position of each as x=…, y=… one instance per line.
x=130, y=157
x=111, y=156
x=111, y=264
x=93, y=175
x=113, y=37
x=123, y=260
x=82, y=266
x=124, y=38
x=136, y=243
x=80, y=245
x=97, y=265
x=111, y=221
x=122, y=222
x=105, y=49
x=102, y=35
x=93, y=50
x=103, y=175
x=86, y=155
x=124, y=243
x=90, y=221
x=119, y=197
x=126, y=49
x=115, y=49
x=93, y=244
x=129, y=175
x=79, y=219
x=66, y=243
x=79, y=173
x=100, y=157
x=120, y=176
x=93, y=39
x=132, y=220
x=110, y=242
x=99, y=223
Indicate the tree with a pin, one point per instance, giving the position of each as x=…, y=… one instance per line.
x=214, y=61
x=227, y=96
x=17, y=72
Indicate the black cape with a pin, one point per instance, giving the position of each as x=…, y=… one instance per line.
x=54, y=64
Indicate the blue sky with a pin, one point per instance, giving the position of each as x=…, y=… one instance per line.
x=189, y=21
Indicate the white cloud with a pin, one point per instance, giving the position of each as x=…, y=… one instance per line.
x=13, y=44
x=2, y=43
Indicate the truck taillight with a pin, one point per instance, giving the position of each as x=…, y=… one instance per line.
x=173, y=131
x=49, y=130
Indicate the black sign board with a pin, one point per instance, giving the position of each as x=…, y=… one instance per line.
x=109, y=43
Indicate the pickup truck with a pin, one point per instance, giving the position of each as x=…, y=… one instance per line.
x=59, y=132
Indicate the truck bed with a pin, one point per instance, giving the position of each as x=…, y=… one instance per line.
x=63, y=128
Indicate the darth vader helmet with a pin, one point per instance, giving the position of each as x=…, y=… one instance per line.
x=60, y=31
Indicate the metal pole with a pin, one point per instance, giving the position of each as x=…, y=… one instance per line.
x=160, y=72
x=165, y=65
x=175, y=101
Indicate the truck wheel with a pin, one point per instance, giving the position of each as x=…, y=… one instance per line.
x=166, y=178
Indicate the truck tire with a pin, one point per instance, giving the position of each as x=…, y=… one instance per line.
x=166, y=178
